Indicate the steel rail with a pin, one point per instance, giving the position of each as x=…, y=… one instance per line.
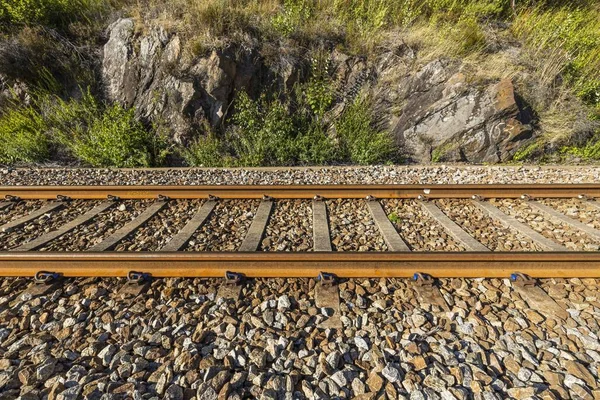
x=309, y=264
x=305, y=191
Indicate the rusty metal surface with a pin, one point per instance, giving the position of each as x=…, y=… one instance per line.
x=291, y=265
x=305, y=191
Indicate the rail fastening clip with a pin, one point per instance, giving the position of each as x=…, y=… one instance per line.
x=327, y=278
x=422, y=279
x=233, y=278
x=46, y=277
x=138, y=278
x=521, y=279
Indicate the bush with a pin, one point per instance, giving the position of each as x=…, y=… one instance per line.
x=97, y=135
x=360, y=142
x=206, y=151
x=569, y=40
x=55, y=13
x=113, y=139
x=22, y=136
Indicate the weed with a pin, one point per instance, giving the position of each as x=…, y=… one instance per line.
x=22, y=136
x=360, y=142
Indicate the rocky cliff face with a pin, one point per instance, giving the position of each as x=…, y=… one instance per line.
x=433, y=112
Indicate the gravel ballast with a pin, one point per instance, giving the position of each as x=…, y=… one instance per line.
x=488, y=231
x=302, y=176
x=352, y=228
x=181, y=341
x=557, y=231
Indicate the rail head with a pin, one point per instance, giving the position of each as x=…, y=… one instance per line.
x=409, y=191
x=307, y=264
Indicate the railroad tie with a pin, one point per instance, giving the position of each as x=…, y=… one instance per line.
x=321, y=236
x=110, y=242
x=5, y=204
x=470, y=243
x=389, y=233
x=66, y=228
x=257, y=228
x=593, y=203
x=595, y=233
x=184, y=235
x=512, y=223
x=31, y=216
x=327, y=296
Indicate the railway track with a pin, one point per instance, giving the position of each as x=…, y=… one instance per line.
x=554, y=237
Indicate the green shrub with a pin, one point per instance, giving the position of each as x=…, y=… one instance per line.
x=206, y=151
x=293, y=15
x=56, y=13
x=264, y=133
x=22, y=136
x=97, y=135
x=315, y=147
x=569, y=40
x=360, y=142
x=112, y=138
x=589, y=151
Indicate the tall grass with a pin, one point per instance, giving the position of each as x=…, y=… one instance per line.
x=95, y=134
x=53, y=13
x=569, y=41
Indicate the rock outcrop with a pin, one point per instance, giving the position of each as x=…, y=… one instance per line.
x=447, y=119
x=434, y=114
x=148, y=73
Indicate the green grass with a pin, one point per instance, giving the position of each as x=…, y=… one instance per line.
x=569, y=40
x=22, y=137
x=53, y=13
x=360, y=142
x=95, y=134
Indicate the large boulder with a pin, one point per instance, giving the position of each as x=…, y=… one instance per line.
x=147, y=72
x=447, y=119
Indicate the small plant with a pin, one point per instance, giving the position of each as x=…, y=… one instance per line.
x=588, y=151
x=293, y=15
x=113, y=139
x=319, y=91
x=360, y=142
x=22, y=136
x=205, y=151
x=394, y=218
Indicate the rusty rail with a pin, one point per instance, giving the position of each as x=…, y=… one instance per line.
x=308, y=264
x=304, y=191
x=294, y=265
